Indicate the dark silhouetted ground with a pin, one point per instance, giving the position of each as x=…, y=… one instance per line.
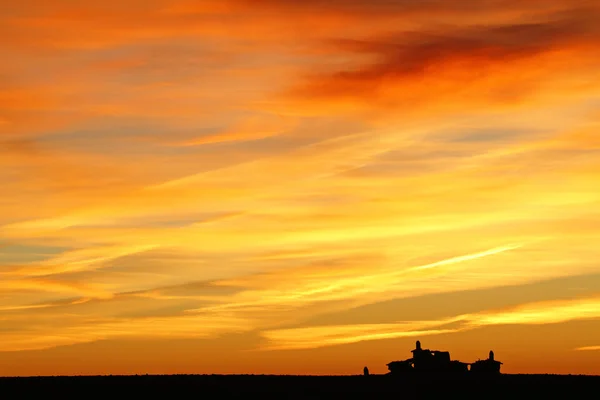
x=303, y=387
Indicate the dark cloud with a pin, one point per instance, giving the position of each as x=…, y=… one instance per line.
x=370, y=7
x=472, y=49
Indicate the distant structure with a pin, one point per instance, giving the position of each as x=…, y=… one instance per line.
x=438, y=362
x=489, y=366
x=366, y=371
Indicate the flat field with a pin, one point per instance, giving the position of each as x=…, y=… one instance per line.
x=302, y=387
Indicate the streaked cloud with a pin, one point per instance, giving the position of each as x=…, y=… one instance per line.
x=588, y=348
x=536, y=313
x=173, y=328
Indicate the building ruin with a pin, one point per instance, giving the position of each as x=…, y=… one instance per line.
x=439, y=362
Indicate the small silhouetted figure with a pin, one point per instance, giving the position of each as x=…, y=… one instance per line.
x=366, y=371
x=419, y=345
x=491, y=355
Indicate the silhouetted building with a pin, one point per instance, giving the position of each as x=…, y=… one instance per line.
x=366, y=371
x=400, y=367
x=489, y=366
x=459, y=366
x=435, y=362
x=425, y=360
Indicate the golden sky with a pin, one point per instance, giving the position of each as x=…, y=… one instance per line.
x=276, y=186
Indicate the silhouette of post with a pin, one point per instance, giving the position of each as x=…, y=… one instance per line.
x=366, y=371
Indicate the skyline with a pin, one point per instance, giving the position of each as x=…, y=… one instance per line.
x=226, y=187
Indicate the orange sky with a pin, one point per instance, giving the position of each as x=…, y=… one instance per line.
x=238, y=186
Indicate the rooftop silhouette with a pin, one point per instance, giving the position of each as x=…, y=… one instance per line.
x=427, y=361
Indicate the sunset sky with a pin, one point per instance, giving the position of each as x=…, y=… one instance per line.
x=298, y=187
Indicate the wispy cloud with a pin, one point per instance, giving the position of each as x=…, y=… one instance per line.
x=165, y=328
x=588, y=348
x=252, y=129
x=78, y=260
x=534, y=314
x=48, y=285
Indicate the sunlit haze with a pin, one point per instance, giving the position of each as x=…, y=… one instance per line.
x=298, y=187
